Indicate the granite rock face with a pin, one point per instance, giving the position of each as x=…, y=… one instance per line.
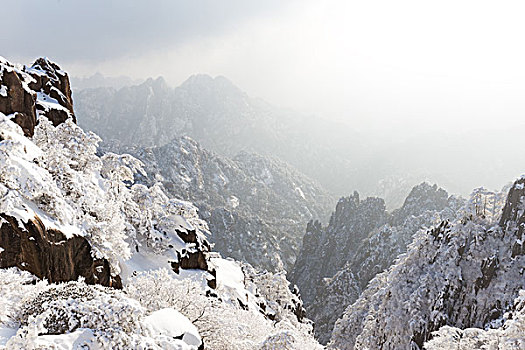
x=53, y=87
x=362, y=239
x=16, y=98
x=47, y=254
x=26, y=93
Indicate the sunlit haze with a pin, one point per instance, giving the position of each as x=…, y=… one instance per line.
x=442, y=79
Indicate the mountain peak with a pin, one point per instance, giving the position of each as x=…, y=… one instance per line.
x=158, y=84
x=203, y=81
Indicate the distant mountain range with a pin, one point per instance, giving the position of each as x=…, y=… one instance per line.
x=224, y=119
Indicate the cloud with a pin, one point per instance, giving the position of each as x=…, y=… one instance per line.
x=98, y=30
x=424, y=74
x=374, y=64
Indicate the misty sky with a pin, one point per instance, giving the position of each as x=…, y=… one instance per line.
x=400, y=66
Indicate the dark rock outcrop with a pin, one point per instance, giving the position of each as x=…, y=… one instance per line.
x=47, y=253
x=50, y=80
x=26, y=93
x=196, y=257
x=190, y=260
x=42, y=89
x=17, y=99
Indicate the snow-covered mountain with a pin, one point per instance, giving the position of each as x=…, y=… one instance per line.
x=362, y=239
x=257, y=207
x=103, y=250
x=135, y=264
x=459, y=286
x=226, y=120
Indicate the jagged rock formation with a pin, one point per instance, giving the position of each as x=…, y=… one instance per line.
x=256, y=206
x=462, y=273
x=47, y=253
x=27, y=93
x=52, y=87
x=42, y=89
x=69, y=214
x=361, y=240
x=326, y=250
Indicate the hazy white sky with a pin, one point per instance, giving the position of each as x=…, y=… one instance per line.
x=436, y=64
x=436, y=76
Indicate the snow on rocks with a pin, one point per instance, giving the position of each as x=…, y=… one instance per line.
x=75, y=315
x=464, y=273
x=171, y=323
x=63, y=201
x=30, y=92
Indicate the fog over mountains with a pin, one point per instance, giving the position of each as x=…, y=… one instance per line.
x=262, y=175
x=234, y=169
x=340, y=157
x=99, y=80
x=218, y=115
x=194, y=215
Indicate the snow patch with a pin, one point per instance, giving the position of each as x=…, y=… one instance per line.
x=233, y=202
x=230, y=283
x=49, y=103
x=5, y=334
x=79, y=339
x=169, y=322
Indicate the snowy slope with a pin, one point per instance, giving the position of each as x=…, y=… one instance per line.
x=461, y=273
x=171, y=292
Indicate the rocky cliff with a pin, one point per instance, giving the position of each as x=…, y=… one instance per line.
x=462, y=273
x=27, y=93
x=336, y=262
x=29, y=238
x=41, y=89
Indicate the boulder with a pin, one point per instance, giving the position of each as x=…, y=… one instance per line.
x=47, y=253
